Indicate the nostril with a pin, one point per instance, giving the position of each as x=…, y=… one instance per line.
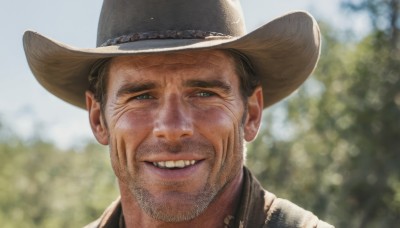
x=171, y=132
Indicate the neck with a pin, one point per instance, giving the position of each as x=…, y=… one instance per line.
x=223, y=205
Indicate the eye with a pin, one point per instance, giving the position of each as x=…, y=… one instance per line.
x=205, y=94
x=144, y=96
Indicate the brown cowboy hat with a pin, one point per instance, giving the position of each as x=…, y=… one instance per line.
x=283, y=52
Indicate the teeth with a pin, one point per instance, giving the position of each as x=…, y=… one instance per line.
x=174, y=164
x=180, y=164
x=170, y=164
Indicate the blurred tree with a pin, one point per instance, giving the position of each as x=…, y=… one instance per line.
x=384, y=15
x=343, y=160
x=43, y=186
x=375, y=104
x=306, y=167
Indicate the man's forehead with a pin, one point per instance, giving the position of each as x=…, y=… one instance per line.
x=187, y=69
x=184, y=58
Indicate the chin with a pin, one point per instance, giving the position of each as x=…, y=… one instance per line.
x=174, y=206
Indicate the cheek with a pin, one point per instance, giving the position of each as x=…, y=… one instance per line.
x=128, y=130
x=214, y=123
x=224, y=129
x=132, y=124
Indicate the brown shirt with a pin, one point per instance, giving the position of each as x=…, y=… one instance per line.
x=258, y=208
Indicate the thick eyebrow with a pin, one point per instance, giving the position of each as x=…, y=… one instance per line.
x=226, y=87
x=135, y=87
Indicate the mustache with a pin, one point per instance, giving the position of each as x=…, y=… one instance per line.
x=183, y=146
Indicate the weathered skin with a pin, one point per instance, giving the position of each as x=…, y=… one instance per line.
x=171, y=107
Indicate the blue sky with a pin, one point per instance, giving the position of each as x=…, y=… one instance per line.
x=30, y=110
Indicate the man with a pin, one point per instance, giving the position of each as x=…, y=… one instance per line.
x=175, y=88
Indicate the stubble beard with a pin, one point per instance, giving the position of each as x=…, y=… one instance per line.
x=173, y=211
x=187, y=205
x=197, y=202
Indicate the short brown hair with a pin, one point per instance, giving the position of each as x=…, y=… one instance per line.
x=98, y=80
x=248, y=78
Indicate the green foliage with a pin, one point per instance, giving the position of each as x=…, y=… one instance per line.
x=43, y=186
x=384, y=16
x=343, y=161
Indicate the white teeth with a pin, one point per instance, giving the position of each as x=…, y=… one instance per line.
x=170, y=164
x=180, y=164
x=174, y=164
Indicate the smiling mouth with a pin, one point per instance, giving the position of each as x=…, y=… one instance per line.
x=180, y=164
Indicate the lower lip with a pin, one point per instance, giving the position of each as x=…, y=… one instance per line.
x=174, y=174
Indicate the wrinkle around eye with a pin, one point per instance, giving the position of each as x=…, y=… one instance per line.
x=118, y=110
x=230, y=109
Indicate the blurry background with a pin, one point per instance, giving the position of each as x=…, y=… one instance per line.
x=332, y=147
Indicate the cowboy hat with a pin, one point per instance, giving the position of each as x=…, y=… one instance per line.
x=283, y=52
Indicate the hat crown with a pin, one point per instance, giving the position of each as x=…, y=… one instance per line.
x=124, y=17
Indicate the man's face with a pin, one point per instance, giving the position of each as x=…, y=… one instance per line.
x=175, y=124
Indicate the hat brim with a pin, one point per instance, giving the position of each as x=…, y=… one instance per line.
x=284, y=52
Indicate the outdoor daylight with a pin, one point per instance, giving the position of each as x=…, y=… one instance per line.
x=332, y=146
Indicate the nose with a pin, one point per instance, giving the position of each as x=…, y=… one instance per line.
x=173, y=121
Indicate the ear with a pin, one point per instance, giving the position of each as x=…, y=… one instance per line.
x=97, y=124
x=254, y=114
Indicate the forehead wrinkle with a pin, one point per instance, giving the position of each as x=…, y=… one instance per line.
x=178, y=68
x=168, y=59
x=200, y=65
